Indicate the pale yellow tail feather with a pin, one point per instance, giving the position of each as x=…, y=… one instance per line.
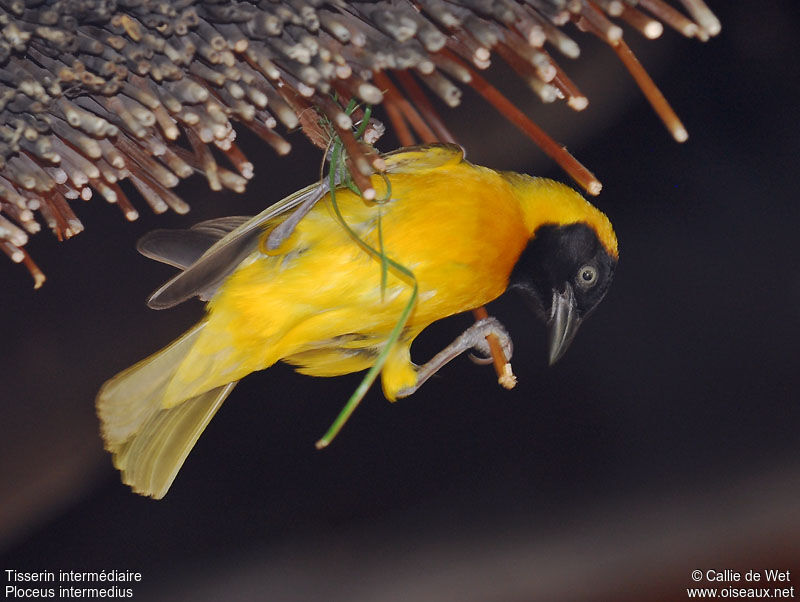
x=150, y=459
x=128, y=400
x=148, y=441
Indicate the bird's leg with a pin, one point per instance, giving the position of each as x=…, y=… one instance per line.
x=473, y=337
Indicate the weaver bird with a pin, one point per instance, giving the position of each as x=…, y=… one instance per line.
x=315, y=298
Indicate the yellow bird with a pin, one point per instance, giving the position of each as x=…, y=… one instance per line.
x=318, y=301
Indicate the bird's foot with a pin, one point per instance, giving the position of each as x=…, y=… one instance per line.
x=473, y=337
x=482, y=329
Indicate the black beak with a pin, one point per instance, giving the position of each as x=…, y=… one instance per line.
x=563, y=322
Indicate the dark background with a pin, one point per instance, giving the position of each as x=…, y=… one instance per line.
x=666, y=440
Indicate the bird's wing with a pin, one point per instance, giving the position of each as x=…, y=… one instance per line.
x=206, y=268
x=220, y=226
x=217, y=262
x=181, y=248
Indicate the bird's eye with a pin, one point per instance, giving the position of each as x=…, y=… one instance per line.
x=587, y=276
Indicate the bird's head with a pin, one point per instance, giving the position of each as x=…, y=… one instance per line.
x=563, y=274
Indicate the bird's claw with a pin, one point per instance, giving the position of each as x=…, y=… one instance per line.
x=478, y=333
x=480, y=360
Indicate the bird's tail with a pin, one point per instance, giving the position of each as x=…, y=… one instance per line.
x=149, y=442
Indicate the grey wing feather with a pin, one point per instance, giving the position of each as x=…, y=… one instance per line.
x=203, y=276
x=220, y=226
x=178, y=248
x=181, y=248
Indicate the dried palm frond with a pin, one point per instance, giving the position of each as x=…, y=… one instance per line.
x=94, y=92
